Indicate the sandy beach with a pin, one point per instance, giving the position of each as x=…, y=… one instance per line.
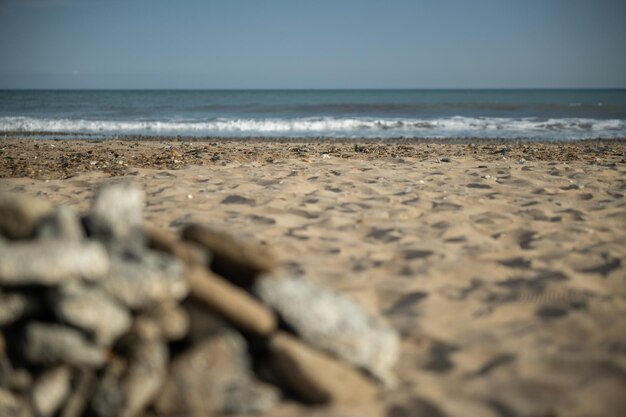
x=501, y=264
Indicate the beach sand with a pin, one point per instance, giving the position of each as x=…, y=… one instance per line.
x=502, y=265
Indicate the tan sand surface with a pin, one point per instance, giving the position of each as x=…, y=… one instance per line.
x=506, y=277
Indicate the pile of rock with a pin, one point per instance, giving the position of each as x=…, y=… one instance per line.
x=102, y=316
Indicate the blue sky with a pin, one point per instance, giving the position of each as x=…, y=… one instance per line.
x=312, y=44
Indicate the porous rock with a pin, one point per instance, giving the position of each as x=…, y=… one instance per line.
x=239, y=262
x=51, y=390
x=92, y=310
x=12, y=406
x=214, y=377
x=334, y=323
x=145, y=375
x=108, y=396
x=19, y=214
x=12, y=307
x=230, y=301
x=53, y=344
x=145, y=282
x=171, y=319
x=51, y=262
x=83, y=388
x=62, y=223
x=116, y=216
x=316, y=377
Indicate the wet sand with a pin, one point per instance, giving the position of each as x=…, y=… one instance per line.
x=502, y=265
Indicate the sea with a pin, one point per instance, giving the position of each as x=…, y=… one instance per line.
x=505, y=114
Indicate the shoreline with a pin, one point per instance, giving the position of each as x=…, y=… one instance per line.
x=90, y=136
x=64, y=158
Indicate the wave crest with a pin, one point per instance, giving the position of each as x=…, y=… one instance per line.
x=342, y=127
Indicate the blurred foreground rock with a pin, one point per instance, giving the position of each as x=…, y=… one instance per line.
x=103, y=316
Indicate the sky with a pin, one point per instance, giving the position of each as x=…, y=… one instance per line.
x=312, y=44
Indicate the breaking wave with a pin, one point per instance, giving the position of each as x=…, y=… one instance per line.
x=562, y=128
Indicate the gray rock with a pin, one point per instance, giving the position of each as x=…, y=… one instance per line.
x=171, y=319
x=12, y=406
x=130, y=383
x=51, y=262
x=92, y=310
x=334, y=323
x=53, y=344
x=51, y=390
x=146, y=282
x=82, y=392
x=214, y=377
x=62, y=223
x=145, y=376
x=19, y=215
x=116, y=216
x=12, y=307
x=108, y=398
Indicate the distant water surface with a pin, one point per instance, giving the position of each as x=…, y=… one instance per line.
x=531, y=114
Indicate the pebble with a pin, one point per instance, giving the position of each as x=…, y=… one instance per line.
x=92, y=310
x=12, y=307
x=231, y=302
x=52, y=262
x=116, y=216
x=144, y=377
x=53, y=344
x=11, y=406
x=237, y=261
x=145, y=282
x=214, y=377
x=20, y=214
x=171, y=319
x=316, y=377
x=333, y=323
x=51, y=390
x=61, y=223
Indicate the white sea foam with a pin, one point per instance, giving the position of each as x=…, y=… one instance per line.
x=327, y=126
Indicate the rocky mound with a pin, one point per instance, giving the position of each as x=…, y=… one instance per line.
x=103, y=316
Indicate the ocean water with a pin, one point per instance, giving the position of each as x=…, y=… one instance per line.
x=507, y=114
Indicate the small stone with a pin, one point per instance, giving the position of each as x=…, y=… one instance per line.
x=11, y=406
x=20, y=214
x=171, y=244
x=214, y=377
x=146, y=374
x=145, y=282
x=51, y=262
x=237, y=261
x=116, y=216
x=50, y=391
x=316, y=377
x=62, y=223
x=92, y=310
x=171, y=319
x=82, y=391
x=12, y=307
x=333, y=323
x=52, y=344
x=445, y=159
x=230, y=301
x=108, y=397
